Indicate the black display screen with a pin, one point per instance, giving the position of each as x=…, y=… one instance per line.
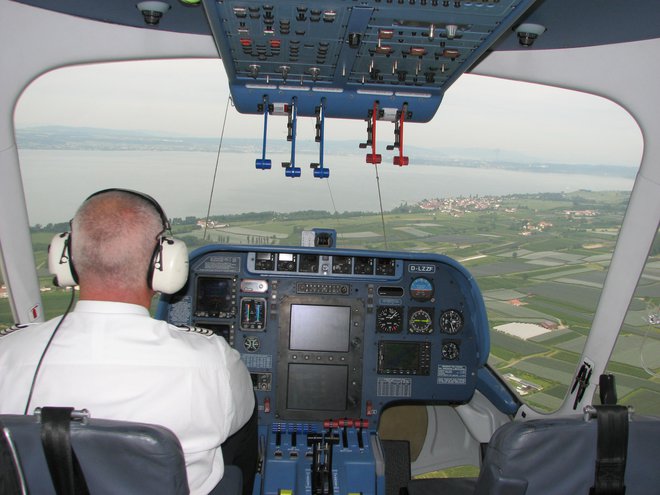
x=213, y=296
x=404, y=358
x=317, y=387
x=320, y=328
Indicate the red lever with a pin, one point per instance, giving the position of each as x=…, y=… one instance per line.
x=401, y=160
x=373, y=157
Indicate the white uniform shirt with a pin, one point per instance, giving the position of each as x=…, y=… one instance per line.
x=119, y=363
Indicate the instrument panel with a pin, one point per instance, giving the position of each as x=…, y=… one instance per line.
x=330, y=333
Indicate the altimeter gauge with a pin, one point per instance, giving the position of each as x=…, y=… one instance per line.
x=451, y=321
x=389, y=319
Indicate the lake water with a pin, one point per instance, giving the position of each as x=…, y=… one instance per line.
x=57, y=181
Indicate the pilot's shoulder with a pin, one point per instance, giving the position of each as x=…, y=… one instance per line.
x=16, y=328
x=194, y=330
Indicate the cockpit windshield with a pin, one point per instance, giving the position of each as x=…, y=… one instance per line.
x=524, y=185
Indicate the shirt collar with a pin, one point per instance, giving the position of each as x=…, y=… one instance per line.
x=87, y=306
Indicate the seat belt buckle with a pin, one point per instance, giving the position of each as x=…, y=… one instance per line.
x=79, y=415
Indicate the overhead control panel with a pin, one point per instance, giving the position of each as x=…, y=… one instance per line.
x=350, y=54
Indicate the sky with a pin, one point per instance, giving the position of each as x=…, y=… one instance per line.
x=189, y=97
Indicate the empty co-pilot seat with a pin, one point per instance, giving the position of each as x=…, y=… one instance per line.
x=555, y=457
x=115, y=456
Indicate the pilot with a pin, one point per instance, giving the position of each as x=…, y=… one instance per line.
x=111, y=357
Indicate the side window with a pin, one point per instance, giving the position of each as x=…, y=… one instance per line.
x=635, y=361
x=542, y=296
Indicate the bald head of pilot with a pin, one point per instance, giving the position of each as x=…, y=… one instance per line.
x=113, y=238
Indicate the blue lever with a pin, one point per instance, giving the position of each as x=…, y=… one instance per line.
x=291, y=169
x=319, y=171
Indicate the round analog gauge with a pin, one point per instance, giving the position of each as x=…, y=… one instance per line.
x=450, y=351
x=421, y=289
x=389, y=319
x=420, y=321
x=251, y=344
x=451, y=321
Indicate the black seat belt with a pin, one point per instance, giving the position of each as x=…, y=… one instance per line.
x=612, y=450
x=63, y=465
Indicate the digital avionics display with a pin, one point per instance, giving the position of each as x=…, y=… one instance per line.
x=320, y=328
x=213, y=296
x=317, y=387
x=404, y=358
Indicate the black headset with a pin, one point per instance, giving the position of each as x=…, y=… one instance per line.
x=168, y=268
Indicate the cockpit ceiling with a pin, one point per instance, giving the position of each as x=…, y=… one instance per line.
x=570, y=23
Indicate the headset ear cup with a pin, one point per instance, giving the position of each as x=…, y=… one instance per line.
x=168, y=271
x=60, y=263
